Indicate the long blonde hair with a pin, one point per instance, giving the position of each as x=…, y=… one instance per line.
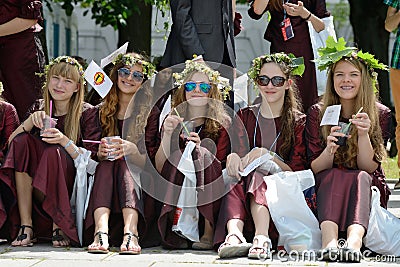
x=72, y=119
x=216, y=114
x=347, y=155
x=110, y=105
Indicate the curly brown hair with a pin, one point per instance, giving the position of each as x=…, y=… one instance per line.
x=347, y=155
x=140, y=105
x=216, y=115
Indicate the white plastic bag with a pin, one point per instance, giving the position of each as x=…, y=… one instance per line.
x=318, y=39
x=186, y=219
x=82, y=188
x=383, y=234
x=297, y=226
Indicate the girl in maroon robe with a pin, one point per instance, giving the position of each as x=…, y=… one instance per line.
x=8, y=123
x=21, y=53
x=275, y=124
x=298, y=12
x=38, y=173
x=116, y=188
x=344, y=174
x=199, y=100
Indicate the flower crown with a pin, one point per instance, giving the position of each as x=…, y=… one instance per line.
x=131, y=59
x=213, y=75
x=296, y=65
x=66, y=59
x=335, y=51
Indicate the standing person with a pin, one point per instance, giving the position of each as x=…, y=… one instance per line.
x=115, y=197
x=298, y=13
x=203, y=28
x=392, y=23
x=199, y=100
x=276, y=123
x=8, y=123
x=344, y=174
x=21, y=54
x=38, y=173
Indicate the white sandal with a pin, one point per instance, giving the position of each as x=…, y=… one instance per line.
x=228, y=250
x=262, y=240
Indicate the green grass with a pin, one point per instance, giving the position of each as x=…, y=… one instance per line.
x=390, y=168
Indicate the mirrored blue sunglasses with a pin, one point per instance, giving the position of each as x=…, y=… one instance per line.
x=136, y=75
x=204, y=87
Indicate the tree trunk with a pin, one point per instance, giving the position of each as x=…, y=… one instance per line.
x=368, y=21
x=138, y=30
x=43, y=40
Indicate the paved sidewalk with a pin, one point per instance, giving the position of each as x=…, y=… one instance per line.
x=43, y=255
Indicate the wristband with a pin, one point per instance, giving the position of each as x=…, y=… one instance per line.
x=308, y=17
x=68, y=144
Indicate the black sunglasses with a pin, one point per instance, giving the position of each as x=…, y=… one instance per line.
x=136, y=75
x=276, y=81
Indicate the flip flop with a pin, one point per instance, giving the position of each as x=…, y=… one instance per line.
x=228, y=250
x=101, y=249
x=130, y=251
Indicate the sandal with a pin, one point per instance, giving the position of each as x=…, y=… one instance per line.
x=330, y=254
x=228, y=250
x=264, y=244
x=59, y=237
x=204, y=244
x=24, y=236
x=98, y=249
x=349, y=255
x=129, y=250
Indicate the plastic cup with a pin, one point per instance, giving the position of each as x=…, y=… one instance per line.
x=112, y=140
x=190, y=128
x=344, y=129
x=48, y=122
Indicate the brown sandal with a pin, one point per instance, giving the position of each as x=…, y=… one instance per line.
x=24, y=236
x=130, y=251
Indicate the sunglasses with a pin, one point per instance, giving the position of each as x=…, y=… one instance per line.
x=276, y=81
x=136, y=76
x=204, y=87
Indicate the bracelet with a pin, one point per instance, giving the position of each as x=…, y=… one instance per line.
x=76, y=149
x=68, y=144
x=309, y=16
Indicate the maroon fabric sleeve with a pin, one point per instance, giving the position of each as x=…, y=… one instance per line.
x=30, y=10
x=314, y=143
x=385, y=121
x=90, y=128
x=8, y=123
x=152, y=136
x=320, y=9
x=238, y=132
x=222, y=146
x=298, y=160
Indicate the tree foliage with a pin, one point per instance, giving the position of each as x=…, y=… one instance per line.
x=113, y=13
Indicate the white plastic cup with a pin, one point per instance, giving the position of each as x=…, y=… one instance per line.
x=48, y=122
x=189, y=127
x=112, y=140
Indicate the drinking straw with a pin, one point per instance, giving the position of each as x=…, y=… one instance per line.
x=51, y=108
x=184, y=126
x=348, y=125
x=91, y=141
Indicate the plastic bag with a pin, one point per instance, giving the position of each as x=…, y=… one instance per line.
x=318, y=39
x=82, y=188
x=186, y=219
x=383, y=234
x=297, y=226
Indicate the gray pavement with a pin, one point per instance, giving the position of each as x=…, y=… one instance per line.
x=43, y=255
